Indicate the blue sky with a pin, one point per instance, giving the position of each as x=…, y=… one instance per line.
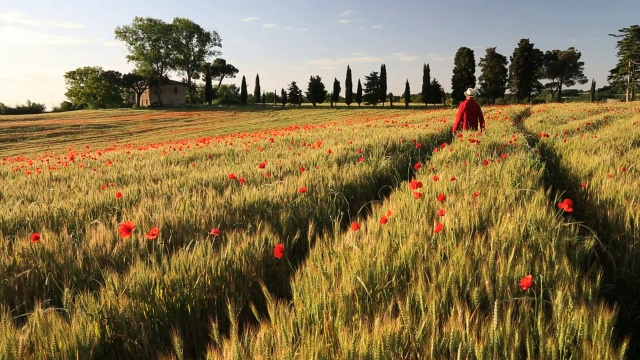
x=286, y=41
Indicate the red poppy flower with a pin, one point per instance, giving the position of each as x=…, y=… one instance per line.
x=355, y=226
x=302, y=190
x=417, y=166
x=623, y=169
x=485, y=162
x=126, y=229
x=441, y=212
x=417, y=195
x=584, y=185
x=476, y=194
x=453, y=178
x=418, y=145
x=566, y=205
x=232, y=176
x=278, y=251
x=526, y=282
x=104, y=186
x=435, y=178
x=329, y=151
x=441, y=197
x=383, y=220
x=241, y=181
x=438, y=228
x=214, y=232
x=361, y=159
x=262, y=165
x=35, y=237
x=415, y=184
x=118, y=195
x=443, y=145
x=152, y=234
x=267, y=175
x=302, y=169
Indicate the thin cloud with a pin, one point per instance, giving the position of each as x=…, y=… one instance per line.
x=249, y=19
x=404, y=57
x=345, y=13
x=302, y=29
x=270, y=26
x=440, y=57
x=342, y=61
x=350, y=21
x=18, y=18
x=376, y=26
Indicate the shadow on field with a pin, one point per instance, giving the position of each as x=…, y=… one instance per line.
x=620, y=286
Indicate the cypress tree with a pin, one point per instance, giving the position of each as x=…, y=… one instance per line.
x=382, y=88
x=243, y=91
x=390, y=99
x=336, y=91
x=592, y=96
x=283, y=96
x=407, y=94
x=256, y=90
x=464, y=69
x=425, y=96
x=524, y=71
x=348, y=88
x=264, y=99
x=493, y=75
x=208, y=87
x=359, y=93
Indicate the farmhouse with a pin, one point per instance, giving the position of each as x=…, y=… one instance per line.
x=172, y=93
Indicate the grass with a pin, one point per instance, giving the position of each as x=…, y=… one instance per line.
x=393, y=290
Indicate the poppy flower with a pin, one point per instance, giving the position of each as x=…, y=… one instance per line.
x=435, y=178
x=262, y=165
x=453, y=178
x=417, y=166
x=623, y=169
x=418, y=145
x=526, y=282
x=302, y=169
x=152, y=234
x=35, y=237
x=232, y=176
x=104, y=186
x=415, y=184
x=566, y=205
x=267, y=175
x=441, y=212
x=241, y=181
x=126, y=229
x=476, y=194
x=383, y=220
x=118, y=195
x=355, y=226
x=361, y=159
x=278, y=251
x=329, y=151
x=485, y=162
x=438, y=228
x=388, y=214
x=214, y=232
x=584, y=184
x=441, y=197
x=417, y=195
x=302, y=190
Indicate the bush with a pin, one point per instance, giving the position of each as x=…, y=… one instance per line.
x=29, y=108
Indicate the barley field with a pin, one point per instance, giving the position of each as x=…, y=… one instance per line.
x=321, y=233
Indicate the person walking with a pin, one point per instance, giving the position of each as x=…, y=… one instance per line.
x=470, y=115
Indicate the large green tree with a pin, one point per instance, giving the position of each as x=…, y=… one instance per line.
x=94, y=88
x=150, y=44
x=359, y=93
x=562, y=67
x=137, y=83
x=494, y=75
x=464, y=70
x=407, y=94
x=316, y=92
x=525, y=71
x=256, y=90
x=295, y=94
x=208, y=86
x=425, y=96
x=348, y=88
x=435, y=95
x=243, y=91
x=220, y=70
x=335, y=96
x=382, y=88
x=372, y=88
x=626, y=75
x=192, y=46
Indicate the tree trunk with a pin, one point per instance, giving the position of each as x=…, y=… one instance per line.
x=190, y=88
x=560, y=92
x=158, y=90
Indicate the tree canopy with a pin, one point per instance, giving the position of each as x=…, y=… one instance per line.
x=94, y=88
x=464, y=69
x=407, y=94
x=372, y=88
x=626, y=74
x=525, y=71
x=348, y=88
x=494, y=75
x=316, y=92
x=562, y=67
x=425, y=95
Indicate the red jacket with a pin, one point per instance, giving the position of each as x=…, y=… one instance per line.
x=469, y=115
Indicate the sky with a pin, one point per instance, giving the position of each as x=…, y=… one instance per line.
x=285, y=41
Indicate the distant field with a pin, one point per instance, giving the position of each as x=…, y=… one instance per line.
x=321, y=233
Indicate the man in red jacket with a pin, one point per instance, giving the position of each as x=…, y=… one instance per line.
x=469, y=114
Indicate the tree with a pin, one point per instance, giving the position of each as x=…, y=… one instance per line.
x=390, y=99
x=316, y=92
x=426, y=84
x=382, y=87
x=208, y=87
x=335, y=96
x=359, y=93
x=256, y=90
x=525, y=71
x=243, y=91
x=94, y=88
x=283, y=96
x=228, y=94
x=137, y=83
x=562, y=67
x=592, y=93
x=348, y=88
x=626, y=74
x=192, y=45
x=150, y=44
x=372, y=88
x=407, y=94
x=220, y=70
x=464, y=69
x=435, y=96
x=494, y=75
x=294, y=94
